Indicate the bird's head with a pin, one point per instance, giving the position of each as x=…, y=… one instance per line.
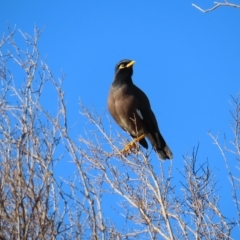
x=124, y=69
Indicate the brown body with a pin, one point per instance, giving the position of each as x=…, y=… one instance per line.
x=123, y=103
x=130, y=108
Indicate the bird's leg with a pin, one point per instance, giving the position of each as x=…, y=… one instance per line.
x=132, y=144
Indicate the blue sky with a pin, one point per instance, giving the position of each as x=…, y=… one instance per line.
x=187, y=62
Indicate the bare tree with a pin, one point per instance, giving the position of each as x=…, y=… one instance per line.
x=37, y=204
x=217, y=5
x=149, y=202
x=29, y=194
x=232, y=148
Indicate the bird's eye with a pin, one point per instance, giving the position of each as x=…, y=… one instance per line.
x=121, y=66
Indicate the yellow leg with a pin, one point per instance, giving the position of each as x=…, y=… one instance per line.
x=131, y=145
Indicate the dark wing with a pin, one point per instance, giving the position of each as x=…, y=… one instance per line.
x=151, y=125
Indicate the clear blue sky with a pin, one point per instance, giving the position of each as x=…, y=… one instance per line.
x=187, y=62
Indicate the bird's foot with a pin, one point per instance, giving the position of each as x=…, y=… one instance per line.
x=132, y=145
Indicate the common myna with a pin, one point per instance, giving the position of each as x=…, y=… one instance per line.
x=131, y=109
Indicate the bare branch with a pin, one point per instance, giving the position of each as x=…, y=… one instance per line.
x=217, y=4
x=234, y=149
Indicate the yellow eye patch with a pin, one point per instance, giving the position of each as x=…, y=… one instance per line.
x=121, y=66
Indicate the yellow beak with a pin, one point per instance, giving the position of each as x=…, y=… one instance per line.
x=130, y=64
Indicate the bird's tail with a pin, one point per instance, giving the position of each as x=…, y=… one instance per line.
x=164, y=153
x=160, y=146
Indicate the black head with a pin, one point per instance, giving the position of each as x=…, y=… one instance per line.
x=124, y=70
x=124, y=64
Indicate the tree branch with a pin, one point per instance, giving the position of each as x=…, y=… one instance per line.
x=217, y=4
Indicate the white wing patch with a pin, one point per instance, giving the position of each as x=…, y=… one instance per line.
x=139, y=113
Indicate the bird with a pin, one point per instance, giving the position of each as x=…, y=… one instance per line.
x=131, y=109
